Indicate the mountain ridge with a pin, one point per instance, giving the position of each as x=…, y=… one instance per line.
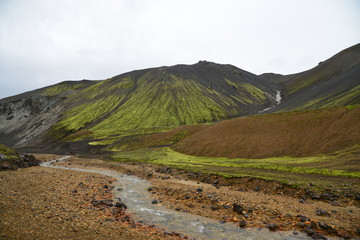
x=146, y=101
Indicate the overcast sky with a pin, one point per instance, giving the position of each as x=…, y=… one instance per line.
x=43, y=42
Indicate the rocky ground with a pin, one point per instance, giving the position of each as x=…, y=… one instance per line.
x=64, y=202
x=44, y=203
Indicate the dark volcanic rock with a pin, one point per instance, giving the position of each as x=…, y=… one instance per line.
x=238, y=208
x=214, y=208
x=242, y=224
x=120, y=205
x=11, y=160
x=322, y=212
x=315, y=197
x=303, y=218
x=99, y=203
x=272, y=227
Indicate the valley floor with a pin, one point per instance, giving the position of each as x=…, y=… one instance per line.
x=60, y=206
x=43, y=203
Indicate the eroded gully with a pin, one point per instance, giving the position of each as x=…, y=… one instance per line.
x=133, y=192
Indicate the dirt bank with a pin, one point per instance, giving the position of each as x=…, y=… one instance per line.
x=285, y=134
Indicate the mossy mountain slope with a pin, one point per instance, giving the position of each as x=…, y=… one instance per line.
x=158, y=99
x=334, y=82
x=150, y=100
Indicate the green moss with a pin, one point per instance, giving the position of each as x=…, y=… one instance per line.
x=351, y=107
x=78, y=136
x=161, y=105
x=8, y=152
x=236, y=166
x=248, y=94
x=61, y=88
x=342, y=99
x=78, y=117
x=153, y=101
x=257, y=93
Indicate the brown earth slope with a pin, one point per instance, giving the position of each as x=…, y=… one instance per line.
x=287, y=134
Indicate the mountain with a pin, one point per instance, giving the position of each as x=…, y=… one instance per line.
x=90, y=115
x=138, y=102
x=334, y=82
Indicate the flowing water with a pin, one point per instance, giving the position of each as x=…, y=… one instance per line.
x=133, y=192
x=277, y=100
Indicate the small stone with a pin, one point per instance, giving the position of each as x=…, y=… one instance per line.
x=149, y=189
x=199, y=190
x=324, y=226
x=325, y=196
x=120, y=205
x=272, y=227
x=238, y=208
x=214, y=208
x=301, y=224
x=315, y=197
x=257, y=188
x=242, y=224
x=318, y=236
x=309, y=232
x=154, y=202
x=322, y=212
x=303, y=218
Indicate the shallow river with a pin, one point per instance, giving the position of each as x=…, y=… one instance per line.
x=133, y=192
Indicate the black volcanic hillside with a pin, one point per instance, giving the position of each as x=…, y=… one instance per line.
x=137, y=102
x=334, y=82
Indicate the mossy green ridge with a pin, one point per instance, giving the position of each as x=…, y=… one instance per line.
x=159, y=99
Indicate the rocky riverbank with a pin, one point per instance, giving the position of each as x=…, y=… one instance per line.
x=247, y=202
x=77, y=204
x=44, y=203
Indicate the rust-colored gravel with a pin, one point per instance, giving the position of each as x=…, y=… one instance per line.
x=42, y=203
x=263, y=206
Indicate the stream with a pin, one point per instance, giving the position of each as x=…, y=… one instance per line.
x=277, y=100
x=133, y=192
